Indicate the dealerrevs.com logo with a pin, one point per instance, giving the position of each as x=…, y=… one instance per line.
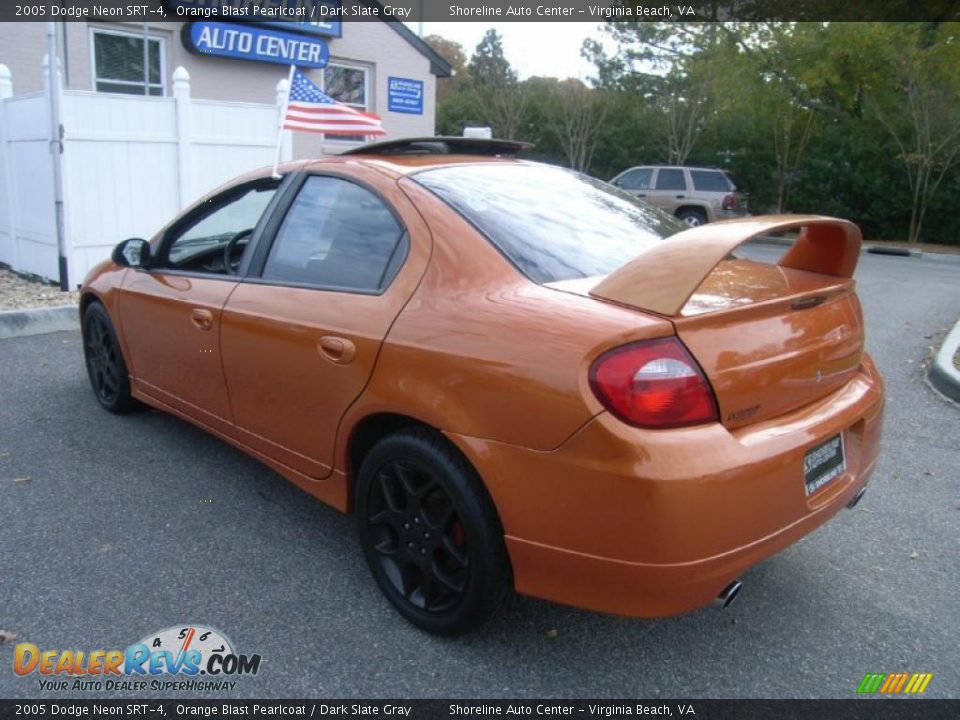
x=190, y=658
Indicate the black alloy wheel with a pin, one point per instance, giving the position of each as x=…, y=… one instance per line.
x=430, y=534
x=105, y=365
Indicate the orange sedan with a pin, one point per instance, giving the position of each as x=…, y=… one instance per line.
x=514, y=375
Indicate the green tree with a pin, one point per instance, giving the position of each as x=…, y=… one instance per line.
x=921, y=111
x=455, y=107
x=495, y=92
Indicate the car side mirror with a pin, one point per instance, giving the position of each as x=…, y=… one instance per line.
x=132, y=252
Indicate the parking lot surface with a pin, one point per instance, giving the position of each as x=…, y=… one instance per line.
x=114, y=528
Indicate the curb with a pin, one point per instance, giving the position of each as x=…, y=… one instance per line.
x=37, y=321
x=942, y=375
x=897, y=251
x=872, y=249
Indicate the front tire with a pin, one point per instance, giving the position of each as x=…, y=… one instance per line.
x=105, y=365
x=430, y=533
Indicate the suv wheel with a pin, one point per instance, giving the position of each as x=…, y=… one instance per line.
x=692, y=217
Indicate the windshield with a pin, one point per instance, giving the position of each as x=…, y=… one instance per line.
x=552, y=223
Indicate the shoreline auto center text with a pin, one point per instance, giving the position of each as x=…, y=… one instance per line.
x=320, y=11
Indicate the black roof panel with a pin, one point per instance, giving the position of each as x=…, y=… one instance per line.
x=443, y=146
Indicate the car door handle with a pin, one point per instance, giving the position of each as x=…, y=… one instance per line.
x=337, y=349
x=680, y=197
x=202, y=319
x=641, y=194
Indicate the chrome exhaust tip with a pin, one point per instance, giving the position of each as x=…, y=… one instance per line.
x=728, y=595
x=857, y=498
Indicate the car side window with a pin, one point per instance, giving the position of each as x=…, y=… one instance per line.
x=710, y=181
x=670, y=179
x=337, y=235
x=636, y=179
x=199, y=246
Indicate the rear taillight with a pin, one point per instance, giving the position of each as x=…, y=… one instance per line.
x=729, y=202
x=653, y=384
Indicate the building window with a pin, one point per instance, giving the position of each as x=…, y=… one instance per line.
x=118, y=63
x=348, y=85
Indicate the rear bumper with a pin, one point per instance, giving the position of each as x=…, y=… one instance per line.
x=653, y=523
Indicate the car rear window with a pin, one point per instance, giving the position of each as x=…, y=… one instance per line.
x=553, y=224
x=711, y=181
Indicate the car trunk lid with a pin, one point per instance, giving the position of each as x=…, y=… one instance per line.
x=770, y=338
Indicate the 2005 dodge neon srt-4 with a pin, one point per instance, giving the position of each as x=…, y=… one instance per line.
x=515, y=375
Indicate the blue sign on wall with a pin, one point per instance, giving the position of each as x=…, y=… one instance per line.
x=405, y=95
x=246, y=42
x=313, y=17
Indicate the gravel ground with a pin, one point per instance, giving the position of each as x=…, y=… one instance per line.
x=17, y=293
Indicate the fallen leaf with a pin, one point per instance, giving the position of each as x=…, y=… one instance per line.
x=897, y=475
x=7, y=636
x=552, y=633
x=929, y=472
x=914, y=555
x=21, y=480
x=4, y=454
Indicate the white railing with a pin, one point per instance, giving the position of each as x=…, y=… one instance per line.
x=129, y=164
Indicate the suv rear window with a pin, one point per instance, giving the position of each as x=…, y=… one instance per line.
x=553, y=224
x=711, y=181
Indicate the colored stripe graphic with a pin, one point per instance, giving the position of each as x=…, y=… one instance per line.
x=898, y=685
x=894, y=683
x=927, y=677
x=889, y=683
x=870, y=683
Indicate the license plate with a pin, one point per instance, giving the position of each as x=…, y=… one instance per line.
x=823, y=463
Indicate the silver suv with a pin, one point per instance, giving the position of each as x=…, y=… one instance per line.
x=694, y=195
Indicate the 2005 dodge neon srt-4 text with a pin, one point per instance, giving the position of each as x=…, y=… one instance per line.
x=514, y=375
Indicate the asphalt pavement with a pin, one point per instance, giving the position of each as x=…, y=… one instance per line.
x=113, y=528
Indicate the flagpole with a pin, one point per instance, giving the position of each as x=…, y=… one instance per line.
x=283, y=117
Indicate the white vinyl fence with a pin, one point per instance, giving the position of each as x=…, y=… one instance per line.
x=129, y=164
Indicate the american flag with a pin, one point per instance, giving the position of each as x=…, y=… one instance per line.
x=311, y=109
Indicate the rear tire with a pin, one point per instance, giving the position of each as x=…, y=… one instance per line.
x=692, y=217
x=105, y=365
x=430, y=533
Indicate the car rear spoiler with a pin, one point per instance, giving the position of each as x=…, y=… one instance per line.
x=663, y=278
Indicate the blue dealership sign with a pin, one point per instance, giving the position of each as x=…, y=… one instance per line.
x=246, y=42
x=405, y=95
